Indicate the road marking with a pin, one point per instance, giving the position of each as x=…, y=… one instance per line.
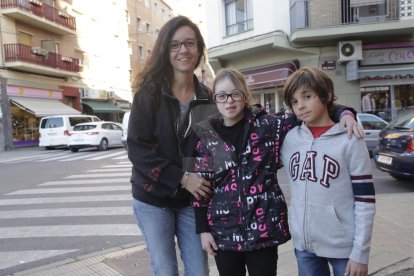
x=71, y=190
x=117, y=166
x=67, y=212
x=127, y=169
x=106, y=156
x=69, y=231
x=82, y=155
x=92, y=175
x=94, y=181
x=28, y=157
x=67, y=199
x=13, y=258
x=121, y=157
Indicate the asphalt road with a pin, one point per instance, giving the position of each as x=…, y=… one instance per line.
x=56, y=205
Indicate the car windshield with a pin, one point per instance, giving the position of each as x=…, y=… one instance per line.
x=84, y=127
x=403, y=120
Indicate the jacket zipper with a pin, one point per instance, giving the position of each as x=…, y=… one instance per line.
x=305, y=216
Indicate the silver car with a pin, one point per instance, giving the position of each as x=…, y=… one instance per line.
x=372, y=126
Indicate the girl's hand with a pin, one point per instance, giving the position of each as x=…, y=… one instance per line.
x=208, y=244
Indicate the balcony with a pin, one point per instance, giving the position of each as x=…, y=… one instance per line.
x=324, y=21
x=39, y=14
x=37, y=60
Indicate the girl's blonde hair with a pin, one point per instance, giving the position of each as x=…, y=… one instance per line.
x=237, y=78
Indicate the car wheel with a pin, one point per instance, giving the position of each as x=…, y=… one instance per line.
x=399, y=177
x=103, y=145
x=73, y=149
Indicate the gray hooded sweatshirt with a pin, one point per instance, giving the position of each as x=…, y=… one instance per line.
x=332, y=203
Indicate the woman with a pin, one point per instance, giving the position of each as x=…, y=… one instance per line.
x=169, y=100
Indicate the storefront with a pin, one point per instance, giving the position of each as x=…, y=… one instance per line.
x=27, y=106
x=266, y=84
x=387, y=78
x=106, y=111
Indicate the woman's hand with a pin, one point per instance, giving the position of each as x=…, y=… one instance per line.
x=351, y=125
x=208, y=244
x=196, y=185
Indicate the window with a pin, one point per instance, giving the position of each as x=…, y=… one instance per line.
x=50, y=46
x=239, y=16
x=148, y=28
x=141, y=52
x=24, y=38
x=80, y=55
x=138, y=23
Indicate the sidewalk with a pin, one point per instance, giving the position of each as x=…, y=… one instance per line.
x=392, y=250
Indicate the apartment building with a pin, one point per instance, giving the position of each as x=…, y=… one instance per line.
x=62, y=57
x=146, y=19
x=364, y=45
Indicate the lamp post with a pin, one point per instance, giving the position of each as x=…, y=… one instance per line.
x=6, y=137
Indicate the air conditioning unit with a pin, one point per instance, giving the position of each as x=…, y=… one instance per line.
x=111, y=94
x=349, y=50
x=39, y=51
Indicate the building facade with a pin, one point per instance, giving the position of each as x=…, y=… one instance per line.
x=364, y=45
x=62, y=57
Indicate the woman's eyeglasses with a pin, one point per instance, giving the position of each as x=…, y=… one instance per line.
x=189, y=43
x=223, y=97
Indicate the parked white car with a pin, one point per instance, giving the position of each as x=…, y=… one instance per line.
x=372, y=126
x=95, y=134
x=125, y=121
x=54, y=130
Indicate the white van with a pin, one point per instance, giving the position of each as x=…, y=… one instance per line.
x=54, y=130
x=125, y=121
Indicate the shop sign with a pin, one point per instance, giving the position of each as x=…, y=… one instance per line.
x=31, y=92
x=87, y=93
x=328, y=65
x=123, y=105
x=388, y=56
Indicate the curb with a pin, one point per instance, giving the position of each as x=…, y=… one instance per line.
x=404, y=268
x=89, y=264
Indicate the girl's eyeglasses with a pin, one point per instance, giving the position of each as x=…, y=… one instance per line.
x=223, y=97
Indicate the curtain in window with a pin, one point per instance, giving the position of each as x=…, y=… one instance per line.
x=231, y=17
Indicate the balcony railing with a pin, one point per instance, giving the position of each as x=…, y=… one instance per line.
x=305, y=14
x=35, y=55
x=42, y=10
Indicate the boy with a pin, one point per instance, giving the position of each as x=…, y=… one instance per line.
x=332, y=203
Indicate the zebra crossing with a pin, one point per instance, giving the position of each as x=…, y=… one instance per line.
x=77, y=215
x=66, y=156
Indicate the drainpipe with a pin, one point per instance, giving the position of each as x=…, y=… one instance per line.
x=6, y=137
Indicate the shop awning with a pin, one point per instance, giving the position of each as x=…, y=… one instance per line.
x=43, y=107
x=270, y=75
x=386, y=72
x=103, y=107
